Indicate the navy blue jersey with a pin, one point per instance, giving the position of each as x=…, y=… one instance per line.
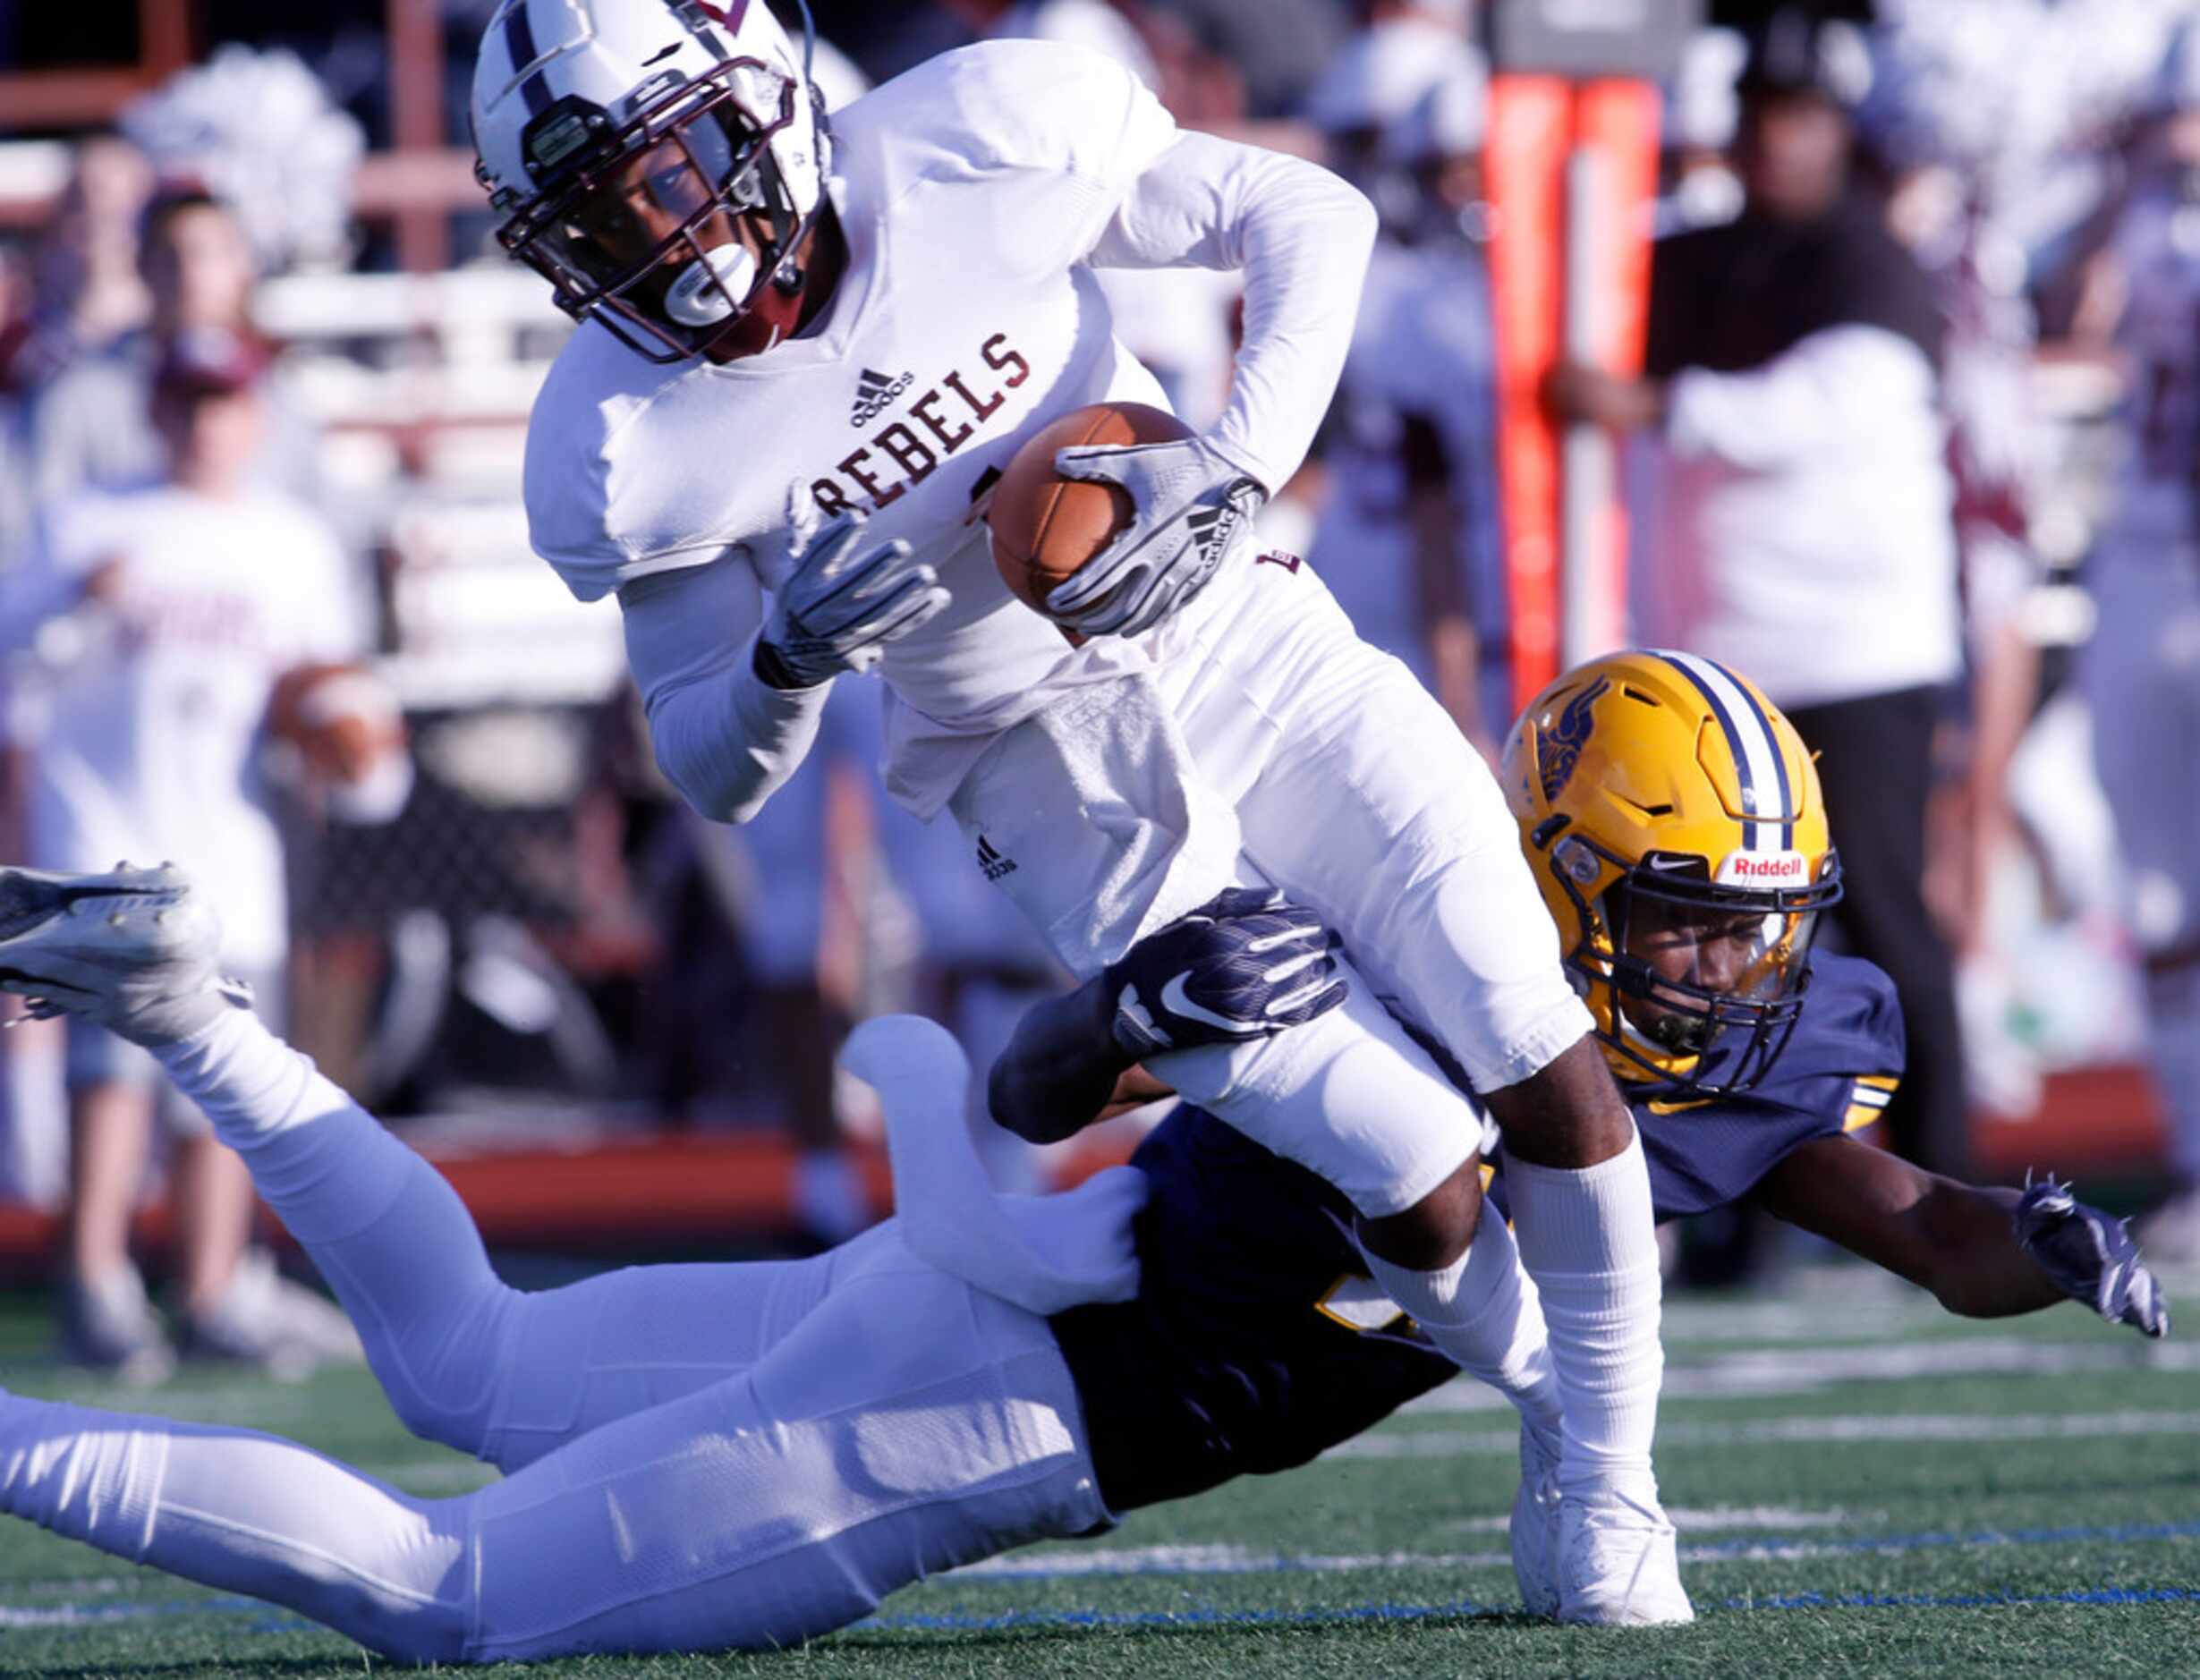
x=1256, y=1343
x=1834, y=1075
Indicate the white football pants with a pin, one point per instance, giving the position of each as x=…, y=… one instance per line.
x=1269, y=743
x=704, y=1456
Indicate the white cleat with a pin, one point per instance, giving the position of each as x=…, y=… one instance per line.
x=1617, y=1564
x=1535, y=1523
x=133, y=950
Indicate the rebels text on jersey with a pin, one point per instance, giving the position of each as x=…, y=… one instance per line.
x=1255, y=1341
x=970, y=190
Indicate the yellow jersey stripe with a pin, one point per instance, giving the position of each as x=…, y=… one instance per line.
x=1860, y=1116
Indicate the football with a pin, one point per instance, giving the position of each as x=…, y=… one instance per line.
x=1044, y=526
x=336, y=722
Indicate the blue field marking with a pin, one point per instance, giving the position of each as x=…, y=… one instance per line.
x=2114, y=1597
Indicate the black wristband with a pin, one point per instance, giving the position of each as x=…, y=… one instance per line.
x=771, y=668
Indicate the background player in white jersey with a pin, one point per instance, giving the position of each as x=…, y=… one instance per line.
x=154, y=624
x=1407, y=539
x=2141, y=671
x=878, y=319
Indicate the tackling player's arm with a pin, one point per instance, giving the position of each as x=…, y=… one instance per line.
x=1243, y=966
x=1983, y=1252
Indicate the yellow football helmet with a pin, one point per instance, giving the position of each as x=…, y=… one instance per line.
x=1673, y=820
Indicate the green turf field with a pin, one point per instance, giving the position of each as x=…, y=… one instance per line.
x=1863, y=1486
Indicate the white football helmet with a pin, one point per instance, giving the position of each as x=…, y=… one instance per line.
x=658, y=161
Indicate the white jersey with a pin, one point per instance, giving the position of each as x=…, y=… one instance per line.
x=2159, y=243
x=972, y=190
x=151, y=707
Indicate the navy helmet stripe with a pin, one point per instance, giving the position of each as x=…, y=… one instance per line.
x=1753, y=838
x=1780, y=764
x=519, y=42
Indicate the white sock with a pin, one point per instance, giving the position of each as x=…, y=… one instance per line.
x=323, y=1163
x=1589, y=1238
x=386, y=1230
x=465, y=1359
x=1481, y=1309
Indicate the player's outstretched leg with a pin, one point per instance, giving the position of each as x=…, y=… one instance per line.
x=244, y=1513
x=757, y=1511
x=1483, y=1310
x=465, y=1360
x=1417, y=861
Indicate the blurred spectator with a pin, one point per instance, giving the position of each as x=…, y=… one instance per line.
x=1375, y=77
x=1701, y=112
x=84, y=287
x=2141, y=669
x=90, y=426
x=1177, y=321
x=1408, y=535
x=75, y=291
x=159, y=621
x=1806, y=533
x=1089, y=23
x=966, y=944
x=258, y=131
x=1273, y=49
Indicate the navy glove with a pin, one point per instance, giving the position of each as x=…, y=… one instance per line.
x=2090, y=1256
x=1241, y=966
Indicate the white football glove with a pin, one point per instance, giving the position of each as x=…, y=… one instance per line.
x=843, y=601
x=1191, y=509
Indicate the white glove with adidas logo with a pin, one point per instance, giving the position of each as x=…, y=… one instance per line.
x=843, y=599
x=1191, y=508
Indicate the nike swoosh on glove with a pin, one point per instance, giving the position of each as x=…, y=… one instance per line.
x=843, y=601
x=1244, y=965
x=2091, y=1257
x=1191, y=509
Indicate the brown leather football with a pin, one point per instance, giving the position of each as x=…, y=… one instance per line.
x=1045, y=526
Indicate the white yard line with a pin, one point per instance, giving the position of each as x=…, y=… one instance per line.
x=1717, y=1520
x=1746, y=1431
x=1221, y=1559
x=1792, y=1370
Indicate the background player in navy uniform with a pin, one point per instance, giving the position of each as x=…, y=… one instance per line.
x=696, y=1459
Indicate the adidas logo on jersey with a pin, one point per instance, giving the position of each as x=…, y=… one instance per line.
x=873, y=391
x=993, y=862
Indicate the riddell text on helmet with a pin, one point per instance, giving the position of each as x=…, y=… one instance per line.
x=935, y=423
x=1764, y=869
